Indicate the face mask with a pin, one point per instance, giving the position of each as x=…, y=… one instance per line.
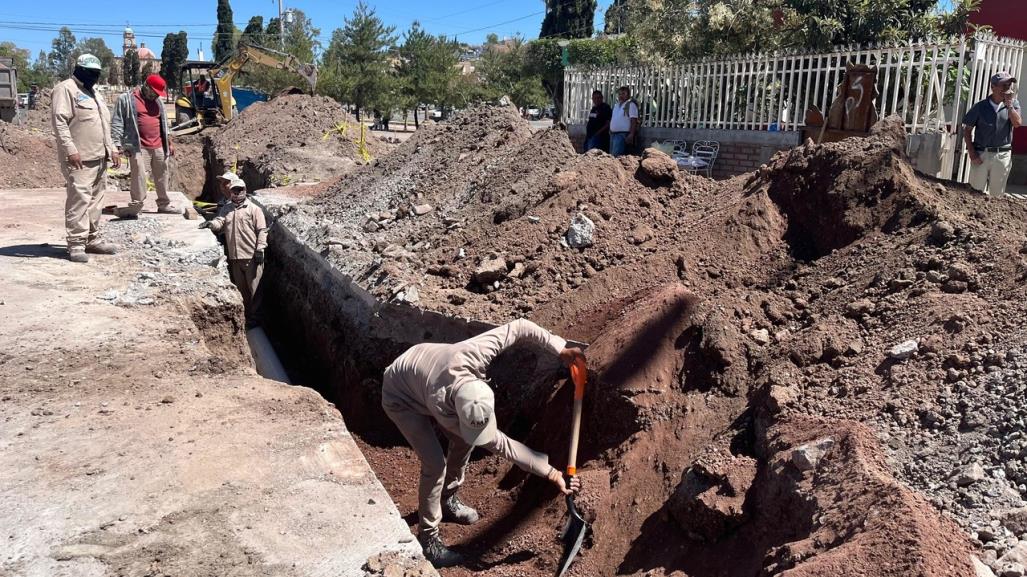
x=148, y=94
x=238, y=197
x=87, y=76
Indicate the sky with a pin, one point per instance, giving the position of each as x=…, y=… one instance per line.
x=34, y=26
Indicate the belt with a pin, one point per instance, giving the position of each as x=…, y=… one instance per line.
x=993, y=149
x=619, y=132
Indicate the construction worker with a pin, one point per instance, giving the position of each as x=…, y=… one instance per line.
x=245, y=239
x=224, y=182
x=445, y=383
x=623, y=123
x=82, y=127
x=140, y=133
x=988, y=133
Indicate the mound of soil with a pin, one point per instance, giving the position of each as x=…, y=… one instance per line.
x=28, y=158
x=755, y=316
x=289, y=139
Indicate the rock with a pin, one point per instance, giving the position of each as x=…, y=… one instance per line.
x=860, y=308
x=421, y=209
x=781, y=396
x=903, y=350
x=1017, y=555
x=1011, y=570
x=942, y=232
x=168, y=400
x=518, y=270
x=581, y=232
x=806, y=457
x=980, y=569
x=641, y=233
x=761, y=336
x=490, y=271
x=961, y=271
x=708, y=502
x=658, y=165
x=970, y=474
x=409, y=294
x=1015, y=520
x=533, y=219
x=954, y=286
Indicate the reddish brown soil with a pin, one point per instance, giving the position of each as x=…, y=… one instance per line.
x=28, y=158
x=750, y=315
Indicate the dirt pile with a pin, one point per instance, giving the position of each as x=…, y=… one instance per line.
x=754, y=317
x=289, y=139
x=28, y=158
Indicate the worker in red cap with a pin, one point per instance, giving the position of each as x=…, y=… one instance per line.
x=140, y=132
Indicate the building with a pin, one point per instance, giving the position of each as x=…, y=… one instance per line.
x=148, y=60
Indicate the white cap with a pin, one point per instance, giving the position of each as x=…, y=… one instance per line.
x=228, y=175
x=476, y=409
x=236, y=183
x=88, y=61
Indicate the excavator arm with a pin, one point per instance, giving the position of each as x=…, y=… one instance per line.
x=246, y=54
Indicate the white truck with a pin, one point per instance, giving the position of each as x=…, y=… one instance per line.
x=8, y=90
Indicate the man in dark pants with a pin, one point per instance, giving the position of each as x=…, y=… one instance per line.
x=988, y=132
x=597, y=131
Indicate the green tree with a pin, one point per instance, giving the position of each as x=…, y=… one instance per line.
x=504, y=69
x=172, y=57
x=427, y=67
x=130, y=68
x=146, y=71
x=97, y=47
x=357, y=61
x=301, y=41
x=568, y=19
x=224, y=36
x=253, y=34
x=60, y=59
x=21, y=62
x=40, y=71
x=617, y=16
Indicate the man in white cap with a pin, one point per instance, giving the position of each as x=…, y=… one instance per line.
x=245, y=230
x=82, y=127
x=140, y=131
x=988, y=133
x=445, y=383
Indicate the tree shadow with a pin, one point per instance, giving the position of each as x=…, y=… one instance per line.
x=56, y=251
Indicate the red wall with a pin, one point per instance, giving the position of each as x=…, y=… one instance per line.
x=1007, y=18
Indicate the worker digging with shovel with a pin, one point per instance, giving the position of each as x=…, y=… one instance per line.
x=446, y=383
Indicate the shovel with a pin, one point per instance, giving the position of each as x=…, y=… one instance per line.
x=574, y=532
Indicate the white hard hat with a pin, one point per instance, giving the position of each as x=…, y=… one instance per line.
x=88, y=61
x=476, y=410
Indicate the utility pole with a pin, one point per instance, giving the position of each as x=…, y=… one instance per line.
x=281, y=26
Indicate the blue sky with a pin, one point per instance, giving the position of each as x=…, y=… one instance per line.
x=33, y=26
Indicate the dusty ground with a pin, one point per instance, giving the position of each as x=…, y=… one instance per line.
x=138, y=440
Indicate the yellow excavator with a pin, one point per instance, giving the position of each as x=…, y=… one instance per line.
x=206, y=98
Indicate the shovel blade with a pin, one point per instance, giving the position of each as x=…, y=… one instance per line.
x=573, y=535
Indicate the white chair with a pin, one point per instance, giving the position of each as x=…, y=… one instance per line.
x=680, y=148
x=706, y=150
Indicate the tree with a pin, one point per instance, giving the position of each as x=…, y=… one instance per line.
x=172, y=57
x=617, y=16
x=130, y=68
x=40, y=72
x=568, y=19
x=60, y=60
x=147, y=70
x=357, y=59
x=505, y=70
x=253, y=34
x=427, y=67
x=224, y=36
x=300, y=41
x=97, y=47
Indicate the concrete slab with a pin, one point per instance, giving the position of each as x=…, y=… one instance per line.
x=137, y=437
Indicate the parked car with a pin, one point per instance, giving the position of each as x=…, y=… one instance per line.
x=534, y=113
x=435, y=114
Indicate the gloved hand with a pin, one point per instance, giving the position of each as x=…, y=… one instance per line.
x=258, y=256
x=205, y=224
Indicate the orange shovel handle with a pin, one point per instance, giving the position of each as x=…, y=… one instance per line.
x=579, y=374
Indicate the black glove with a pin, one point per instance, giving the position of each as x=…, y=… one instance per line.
x=205, y=224
x=258, y=257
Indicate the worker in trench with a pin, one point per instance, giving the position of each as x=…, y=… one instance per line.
x=82, y=127
x=446, y=383
x=245, y=230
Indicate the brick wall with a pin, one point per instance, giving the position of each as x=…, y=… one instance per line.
x=741, y=151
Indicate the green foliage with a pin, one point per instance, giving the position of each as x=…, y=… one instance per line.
x=224, y=36
x=300, y=41
x=60, y=61
x=130, y=68
x=147, y=70
x=427, y=69
x=356, y=67
x=253, y=34
x=617, y=16
x=568, y=19
x=21, y=62
x=505, y=69
x=544, y=59
x=173, y=56
x=97, y=47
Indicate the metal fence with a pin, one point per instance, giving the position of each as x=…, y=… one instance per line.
x=927, y=83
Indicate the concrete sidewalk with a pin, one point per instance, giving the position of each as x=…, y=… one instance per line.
x=138, y=440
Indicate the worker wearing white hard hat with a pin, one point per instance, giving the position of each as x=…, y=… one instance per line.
x=82, y=127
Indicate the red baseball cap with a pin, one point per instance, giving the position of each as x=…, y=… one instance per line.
x=158, y=85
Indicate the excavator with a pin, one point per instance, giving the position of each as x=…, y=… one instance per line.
x=207, y=96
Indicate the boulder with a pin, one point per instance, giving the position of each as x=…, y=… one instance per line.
x=581, y=232
x=708, y=502
x=658, y=165
x=490, y=270
x=807, y=457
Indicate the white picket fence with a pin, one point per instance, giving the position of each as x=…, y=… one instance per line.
x=772, y=91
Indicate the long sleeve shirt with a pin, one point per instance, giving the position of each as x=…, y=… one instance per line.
x=427, y=376
x=81, y=122
x=245, y=229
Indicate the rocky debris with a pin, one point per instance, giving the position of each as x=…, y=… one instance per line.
x=943, y=232
x=980, y=569
x=760, y=336
x=420, y=209
x=581, y=233
x=903, y=350
x=490, y=270
x=658, y=165
x=28, y=158
x=709, y=500
x=392, y=564
x=970, y=474
x=1015, y=520
x=1013, y=563
x=806, y=457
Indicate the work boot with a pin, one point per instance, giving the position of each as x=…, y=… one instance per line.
x=77, y=254
x=100, y=247
x=438, y=554
x=456, y=512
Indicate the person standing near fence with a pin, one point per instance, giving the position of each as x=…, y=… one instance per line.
x=597, y=131
x=623, y=123
x=988, y=132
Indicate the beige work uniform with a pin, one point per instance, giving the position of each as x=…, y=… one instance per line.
x=419, y=387
x=245, y=231
x=82, y=125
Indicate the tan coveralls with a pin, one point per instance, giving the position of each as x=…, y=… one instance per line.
x=419, y=387
x=245, y=231
x=82, y=124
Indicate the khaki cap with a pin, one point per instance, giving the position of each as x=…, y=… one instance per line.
x=476, y=409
